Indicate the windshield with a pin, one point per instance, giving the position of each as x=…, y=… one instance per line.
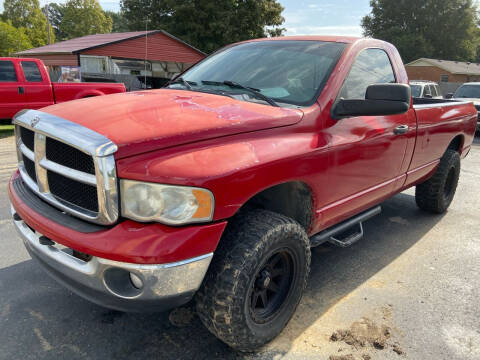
x=291, y=72
x=468, y=91
x=416, y=90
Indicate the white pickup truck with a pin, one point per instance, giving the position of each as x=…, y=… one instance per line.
x=469, y=91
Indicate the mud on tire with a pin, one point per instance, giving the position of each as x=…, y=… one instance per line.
x=436, y=194
x=236, y=301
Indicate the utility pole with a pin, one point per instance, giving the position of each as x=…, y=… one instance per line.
x=48, y=24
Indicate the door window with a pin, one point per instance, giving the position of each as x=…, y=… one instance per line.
x=427, y=91
x=372, y=66
x=31, y=71
x=7, y=71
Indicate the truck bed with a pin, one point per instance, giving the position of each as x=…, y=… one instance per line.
x=71, y=91
x=436, y=120
x=435, y=102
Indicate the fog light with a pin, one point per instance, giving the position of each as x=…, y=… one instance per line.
x=136, y=281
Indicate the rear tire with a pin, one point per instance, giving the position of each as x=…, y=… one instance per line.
x=256, y=279
x=436, y=194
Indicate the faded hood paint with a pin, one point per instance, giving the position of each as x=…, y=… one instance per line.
x=143, y=121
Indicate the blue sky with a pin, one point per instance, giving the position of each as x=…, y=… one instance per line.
x=325, y=17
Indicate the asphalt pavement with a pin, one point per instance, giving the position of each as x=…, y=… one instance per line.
x=409, y=290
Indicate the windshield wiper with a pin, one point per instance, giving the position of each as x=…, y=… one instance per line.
x=182, y=81
x=251, y=90
x=254, y=91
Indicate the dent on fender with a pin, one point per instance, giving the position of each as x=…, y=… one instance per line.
x=215, y=160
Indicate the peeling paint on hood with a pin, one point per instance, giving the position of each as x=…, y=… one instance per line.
x=143, y=121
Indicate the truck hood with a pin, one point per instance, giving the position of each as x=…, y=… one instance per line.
x=143, y=121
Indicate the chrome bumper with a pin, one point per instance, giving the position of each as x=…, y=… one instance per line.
x=109, y=283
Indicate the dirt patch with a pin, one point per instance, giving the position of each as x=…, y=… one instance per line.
x=396, y=348
x=363, y=333
x=341, y=357
x=181, y=317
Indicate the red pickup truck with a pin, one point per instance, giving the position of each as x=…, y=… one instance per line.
x=219, y=184
x=25, y=84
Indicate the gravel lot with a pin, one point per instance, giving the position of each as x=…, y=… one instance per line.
x=411, y=287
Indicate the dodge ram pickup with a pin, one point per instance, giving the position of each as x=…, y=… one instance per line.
x=217, y=186
x=25, y=84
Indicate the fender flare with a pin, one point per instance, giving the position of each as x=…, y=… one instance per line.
x=88, y=93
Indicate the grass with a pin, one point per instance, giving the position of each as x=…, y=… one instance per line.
x=6, y=130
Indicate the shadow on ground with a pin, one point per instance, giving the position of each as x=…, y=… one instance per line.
x=41, y=320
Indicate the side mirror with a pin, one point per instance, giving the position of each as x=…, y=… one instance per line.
x=449, y=96
x=380, y=99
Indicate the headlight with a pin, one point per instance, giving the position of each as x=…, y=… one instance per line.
x=168, y=204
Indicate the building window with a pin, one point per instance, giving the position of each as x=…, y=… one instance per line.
x=468, y=78
x=444, y=78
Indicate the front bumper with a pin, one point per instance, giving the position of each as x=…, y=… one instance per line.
x=108, y=283
x=128, y=267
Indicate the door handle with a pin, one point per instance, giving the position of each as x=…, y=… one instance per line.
x=21, y=90
x=401, y=129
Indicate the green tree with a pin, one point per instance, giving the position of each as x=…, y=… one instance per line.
x=12, y=39
x=55, y=14
x=119, y=22
x=207, y=24
x=27, y=15
x=435, y=29
x=84, y=17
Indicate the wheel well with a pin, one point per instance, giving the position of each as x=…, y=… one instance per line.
x=292, y=199
x=456, y=144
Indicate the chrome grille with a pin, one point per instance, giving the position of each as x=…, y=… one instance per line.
x=68, y=165
x=27, y=137
x=65, y=155
x=73, y=192
x=29, y=168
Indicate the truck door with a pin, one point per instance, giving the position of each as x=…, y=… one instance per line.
x=12, y=94
x=368, y=154
x=37, y=85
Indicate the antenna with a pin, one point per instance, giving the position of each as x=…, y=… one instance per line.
x=146, y=51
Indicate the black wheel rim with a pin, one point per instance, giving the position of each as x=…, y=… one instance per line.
x=271, y=286
x=449, y=184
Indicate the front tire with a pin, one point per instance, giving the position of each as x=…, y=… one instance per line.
x=256, y=279
x=436, y=194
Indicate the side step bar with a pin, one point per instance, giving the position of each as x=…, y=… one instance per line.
x=347, y=232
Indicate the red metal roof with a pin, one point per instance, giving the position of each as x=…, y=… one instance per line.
x=157, y=46
x=94, y=41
